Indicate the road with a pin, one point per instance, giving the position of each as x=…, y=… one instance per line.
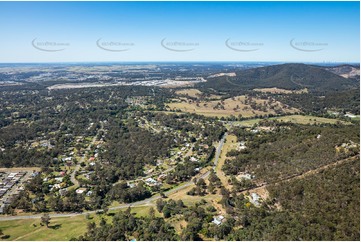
x=145, y=202
x=77, y=167
x=219, y=150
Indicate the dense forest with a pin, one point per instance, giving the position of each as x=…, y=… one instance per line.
x=291, y=149
x=323, y=206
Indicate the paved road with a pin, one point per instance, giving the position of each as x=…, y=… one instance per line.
x=219, y=150
x=145, y=202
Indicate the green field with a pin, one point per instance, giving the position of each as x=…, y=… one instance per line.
x=59, y=228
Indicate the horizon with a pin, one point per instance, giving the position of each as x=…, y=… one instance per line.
x=77, y=32
x=180, y=62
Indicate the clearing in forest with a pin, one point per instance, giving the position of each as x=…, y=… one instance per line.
x=246, y=106
x=189, y=92
x=299, y=119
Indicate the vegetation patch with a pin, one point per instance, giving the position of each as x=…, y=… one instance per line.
x=280, y=90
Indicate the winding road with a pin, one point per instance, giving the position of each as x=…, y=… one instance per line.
x=145, y=202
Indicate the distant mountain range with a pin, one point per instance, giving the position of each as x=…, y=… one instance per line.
x=287, y=76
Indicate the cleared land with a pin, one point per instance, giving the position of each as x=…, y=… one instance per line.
x=195, y=93
x=280, y=90
x=240, y=105
x=189, y=92
x=300, y=119
x=59, y=228
x=230, y=144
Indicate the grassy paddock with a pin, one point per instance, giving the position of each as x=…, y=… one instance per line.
x=232, y=106
x=299, y=119
x=59, y=228
x=189, y=92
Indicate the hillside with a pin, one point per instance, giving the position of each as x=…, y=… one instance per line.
x=347, y=71
x=286, y=76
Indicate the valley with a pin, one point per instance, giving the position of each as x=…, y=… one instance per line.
x=114, y=152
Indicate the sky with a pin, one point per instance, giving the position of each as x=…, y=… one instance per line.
x=179, y=31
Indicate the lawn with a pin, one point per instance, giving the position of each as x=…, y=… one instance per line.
x=143, y=211
x=59, y=228
x=191, y=200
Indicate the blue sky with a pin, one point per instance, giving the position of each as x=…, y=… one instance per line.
x=191, y=31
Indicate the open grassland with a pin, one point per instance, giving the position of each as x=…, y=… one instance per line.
x=191, y=200
x=59, y=228
x=276, y=90
x=240, y=105
x=189, y=92
x=195, y=93
x=300, y=119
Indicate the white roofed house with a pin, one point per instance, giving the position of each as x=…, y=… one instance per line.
x=80, y=190
x=151, y=182
x=242, y=145
x=62, y=192
x=193, y=159
x=246, y=176
x=218, y=220
x=58, y=179
x=67, y=159
x=255, y=199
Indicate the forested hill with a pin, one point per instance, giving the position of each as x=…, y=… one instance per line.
x=286, y=76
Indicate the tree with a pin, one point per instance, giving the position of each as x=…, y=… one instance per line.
x=106, y=210
x=160, y=204
x=167, y=212
x=151, y=213
x=211, y=188
x=201, y=183
x=45, y=219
